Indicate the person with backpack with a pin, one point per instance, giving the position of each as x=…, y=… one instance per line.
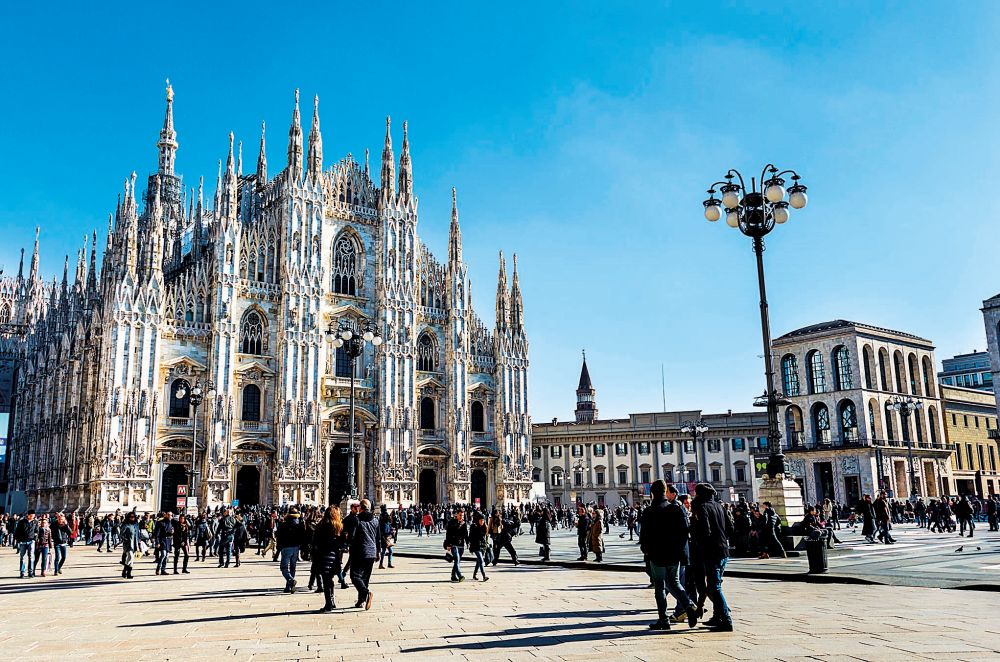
x=712, y=529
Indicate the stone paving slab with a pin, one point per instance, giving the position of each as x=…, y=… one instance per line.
x=526, y=613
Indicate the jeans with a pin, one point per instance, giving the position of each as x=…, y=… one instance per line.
x=456, y=561
x=60, y=557
x=581, y=542
x=41, y=554
x=667, y=578
x=162, y=554
x=289, y=559
x=178, y=551
x=713, y=575
x=480, y=564
x=27, y=550
x=385, y=555
x=972, y=526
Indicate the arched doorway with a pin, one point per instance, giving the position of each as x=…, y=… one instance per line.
x=173, y=475
x=248, y=485
x=479, y=488
x=428, y=486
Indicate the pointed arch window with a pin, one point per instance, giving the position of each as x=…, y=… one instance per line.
x=790, y=374
x=478, y=420
x=345, y=266
x=427, y=353
x=251, y=402
x=842, y=369
x=252, y=334
x=4, y=314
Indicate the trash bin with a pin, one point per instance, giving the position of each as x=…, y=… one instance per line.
x=817, y=555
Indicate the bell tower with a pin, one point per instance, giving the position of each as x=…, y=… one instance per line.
x=586, y=406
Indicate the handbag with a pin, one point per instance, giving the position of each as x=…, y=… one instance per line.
x=448, y=557
x=389, y=542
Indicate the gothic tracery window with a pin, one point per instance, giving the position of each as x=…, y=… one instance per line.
x=345, y=266
x=427, y=358
x=790, y=374
x=4, y=314
x=478, y=420
x=252, y=334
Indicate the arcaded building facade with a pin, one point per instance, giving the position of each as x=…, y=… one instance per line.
x=241, y=291
x=841, y=438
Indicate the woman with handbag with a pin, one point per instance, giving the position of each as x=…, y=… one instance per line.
x=478, y=543
x=328, y=543
x=387, y=533
x=543, y=534
x=597, y=535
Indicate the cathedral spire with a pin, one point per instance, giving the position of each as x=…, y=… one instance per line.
x=168, y=137
x=366, y=161
x=92, y=271
x=229, y=188
x=315, y=160
x=239, y=159
x=517, y=302
x=295, y=141
x=586, y=405
x=503, y=297
x=33, y=270
x=262, y=159
x=20, y=267
x=64, y=291
x=405, y=171
x=388, y=165
x=454, y=234
x=80, y=277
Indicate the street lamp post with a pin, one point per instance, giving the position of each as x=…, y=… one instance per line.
x=196, y=394
x=755, y=213
x=579, y=468
x=905, y=407
x=352, y=336
x=695, y=428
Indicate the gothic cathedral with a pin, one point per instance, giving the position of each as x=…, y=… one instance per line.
x=237, y=299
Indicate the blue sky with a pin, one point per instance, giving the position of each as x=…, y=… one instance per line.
x=581, y=136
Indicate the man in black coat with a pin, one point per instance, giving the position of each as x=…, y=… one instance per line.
x=290, y=534
x=583, y=524
x=663, y=538
x=364, y=551
x=711, y=529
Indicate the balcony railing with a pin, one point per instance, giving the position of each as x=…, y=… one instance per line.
x=177, y=422
x=993, y=433
x=798, y=442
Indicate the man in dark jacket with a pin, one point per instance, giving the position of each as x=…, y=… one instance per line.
x=663, y=538
x=163, y=538
x=883, y=518
x=290, y=536
x=24, y=537
x=364, y=551
x=583, y=524
x=712, y=528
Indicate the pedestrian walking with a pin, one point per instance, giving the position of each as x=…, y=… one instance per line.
x=596, y=540
x=290, y=537
x=713, y=528
x=456, y=537
x=182, y=542
x=663, y=538
x=130, y=544
x=364, y=551
x=543, y=534
x=327, y=549
x=479, y=543
x=62, y=536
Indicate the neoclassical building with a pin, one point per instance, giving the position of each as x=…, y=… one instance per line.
x=594, y=460
x=241, y=292
x=841, y=438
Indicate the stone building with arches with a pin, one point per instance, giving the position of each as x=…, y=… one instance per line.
x=841, y=439
x=240, y=291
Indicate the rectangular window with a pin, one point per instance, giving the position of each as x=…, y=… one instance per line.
x=668, y=475
x=599, y=450
x=688, y=446
x=621, y=449
x=577, y=450
x=536, y=453
x=954, y=421
x=644, y=449
x=578, y=478
x=993, y=459
x=667, y=447
x=741, y=474
x=982, y=458
x=714, y=445
x=555, y=451
x=958, y=458
x=556, y=479
x=622, y=476
x=599, y=476
x=977, y=420
x=739, y=444
x=965, y=420
x=644, y=476
x=968, y=456
x=716, y=475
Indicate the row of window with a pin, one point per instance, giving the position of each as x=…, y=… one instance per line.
x=975, y=419
x=251, y=407
x=556, y=477
x=739, y=444
x=971, y=380
x=905, y=370
x=980, y=452
x=847, y=422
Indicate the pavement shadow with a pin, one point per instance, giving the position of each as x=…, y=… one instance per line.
x=536, y=640
x=231, y=617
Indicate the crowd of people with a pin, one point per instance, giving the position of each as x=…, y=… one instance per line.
x=685, y=540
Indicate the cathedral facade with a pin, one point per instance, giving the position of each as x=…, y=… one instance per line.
x=238, y=297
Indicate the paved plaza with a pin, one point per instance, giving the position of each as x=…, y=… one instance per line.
x=522, y=613
x=919, y=558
